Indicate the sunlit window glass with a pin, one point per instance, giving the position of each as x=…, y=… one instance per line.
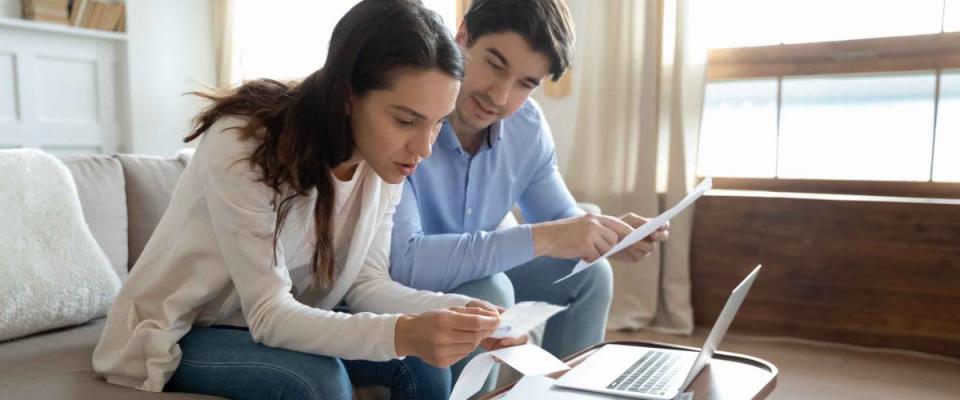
x=947, y=155
x=857, y=127
x=739, y=130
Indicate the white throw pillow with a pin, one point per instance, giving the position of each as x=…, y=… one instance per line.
x=52, y=272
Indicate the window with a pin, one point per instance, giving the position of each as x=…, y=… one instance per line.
x=872, y=93
x=288, y=39
x=739, y=131
x=946, y=165
x=877, y=127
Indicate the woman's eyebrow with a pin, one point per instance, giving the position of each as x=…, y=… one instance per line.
x=408, y=110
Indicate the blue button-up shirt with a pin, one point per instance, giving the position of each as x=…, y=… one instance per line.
x=444, y=230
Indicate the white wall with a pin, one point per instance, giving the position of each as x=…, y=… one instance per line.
x=562, y=112
x=170, y=52
x=10, y=9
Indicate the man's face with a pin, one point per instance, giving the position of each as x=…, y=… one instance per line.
x=502, y=71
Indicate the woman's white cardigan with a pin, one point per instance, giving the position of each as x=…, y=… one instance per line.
x=212, y=255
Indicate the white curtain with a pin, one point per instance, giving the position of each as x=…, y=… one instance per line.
x=637, y=131
x=223, y=28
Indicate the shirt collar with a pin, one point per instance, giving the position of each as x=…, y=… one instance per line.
x=448, y=138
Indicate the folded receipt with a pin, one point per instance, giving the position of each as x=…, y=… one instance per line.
x=524, y=316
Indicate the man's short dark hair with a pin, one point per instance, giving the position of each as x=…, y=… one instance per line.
x=545, y=24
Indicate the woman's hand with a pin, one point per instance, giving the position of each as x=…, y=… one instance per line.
x=443, y=337
x=477, y=303
x=495, y=343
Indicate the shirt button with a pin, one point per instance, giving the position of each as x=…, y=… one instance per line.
x=469, y=211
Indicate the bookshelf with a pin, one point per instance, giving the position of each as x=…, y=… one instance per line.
x=19, y=23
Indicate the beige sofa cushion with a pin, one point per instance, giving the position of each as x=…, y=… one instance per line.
x=150, y=183
x=100, y=187
x=56, y=365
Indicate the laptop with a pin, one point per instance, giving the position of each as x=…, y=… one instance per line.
x=651, y=373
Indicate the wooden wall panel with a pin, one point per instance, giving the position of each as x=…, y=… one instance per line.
x=860, y=270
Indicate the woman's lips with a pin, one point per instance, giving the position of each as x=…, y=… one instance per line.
x=406, y=169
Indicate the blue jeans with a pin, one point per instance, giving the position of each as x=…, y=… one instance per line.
x=226, y=362
x=588, y=295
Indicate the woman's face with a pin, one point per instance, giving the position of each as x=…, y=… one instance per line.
x=395, y=128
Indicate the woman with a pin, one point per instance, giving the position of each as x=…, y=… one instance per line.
x=286, y=210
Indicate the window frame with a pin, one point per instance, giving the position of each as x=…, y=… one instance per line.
x=936, y=52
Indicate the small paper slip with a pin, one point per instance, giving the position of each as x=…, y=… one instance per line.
x=523, y=317
x=647, y=228
x=527, y=359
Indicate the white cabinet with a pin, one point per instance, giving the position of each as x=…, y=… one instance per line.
x=62, y=89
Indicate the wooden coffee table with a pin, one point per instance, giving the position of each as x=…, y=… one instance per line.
x=729, y=375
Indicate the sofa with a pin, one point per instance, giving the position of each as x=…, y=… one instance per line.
x=123, y=198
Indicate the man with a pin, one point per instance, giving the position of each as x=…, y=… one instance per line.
x=494, y=152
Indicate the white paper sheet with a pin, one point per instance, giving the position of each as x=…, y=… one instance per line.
x=541, y=387
x=527, y=359
x=647, y=228
x=524, y=316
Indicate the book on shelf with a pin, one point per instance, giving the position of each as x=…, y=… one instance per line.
x=102, y=15
x=91, y=15
x=77, y=11
x=115, y=10
x=122, y=23
x=53, y=11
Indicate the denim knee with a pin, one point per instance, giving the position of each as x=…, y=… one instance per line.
x=427, y=381
x=495, y=288
x=599, y=282
x=322, y=378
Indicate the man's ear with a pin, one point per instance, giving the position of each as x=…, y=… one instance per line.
x=462, y=37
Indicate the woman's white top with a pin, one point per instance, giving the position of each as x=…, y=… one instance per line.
x=211, y=261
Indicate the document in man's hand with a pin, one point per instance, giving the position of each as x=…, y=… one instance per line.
x=647, y=228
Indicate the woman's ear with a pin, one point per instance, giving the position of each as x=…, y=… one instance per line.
x=348, y=105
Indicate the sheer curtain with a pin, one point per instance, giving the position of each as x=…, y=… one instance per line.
x=223, y=41
x=636, y=136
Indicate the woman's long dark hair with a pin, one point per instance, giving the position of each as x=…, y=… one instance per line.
x=302, y=129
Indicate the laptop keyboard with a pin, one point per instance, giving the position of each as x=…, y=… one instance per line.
x=649, y=375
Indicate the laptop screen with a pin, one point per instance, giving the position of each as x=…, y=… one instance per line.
x=720, y=327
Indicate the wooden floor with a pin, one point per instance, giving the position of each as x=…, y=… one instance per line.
x=814, y=370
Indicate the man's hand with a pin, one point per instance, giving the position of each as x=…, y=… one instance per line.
x=642, y=248
x=587, y=237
